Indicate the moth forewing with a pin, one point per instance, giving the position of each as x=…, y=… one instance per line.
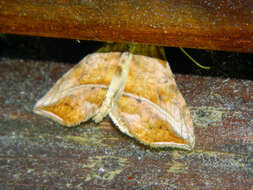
x=78, y=93
x=151, y=108
x=74, y=106
x=141, y=119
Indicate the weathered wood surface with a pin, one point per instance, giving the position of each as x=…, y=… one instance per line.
x=209, y=24
x=36, y=153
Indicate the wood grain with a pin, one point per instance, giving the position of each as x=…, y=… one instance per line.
x=36, y=153
x=210, y=24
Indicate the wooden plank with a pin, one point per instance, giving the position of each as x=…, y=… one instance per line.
x=210, y=24
x=36, y=153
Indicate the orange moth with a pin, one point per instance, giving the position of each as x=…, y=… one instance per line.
x=138, y=92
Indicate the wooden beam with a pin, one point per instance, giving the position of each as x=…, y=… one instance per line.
x=210, y=24
x=36, y=153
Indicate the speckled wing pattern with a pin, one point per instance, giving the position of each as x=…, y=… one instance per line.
x=77, y=95
x=150, y=108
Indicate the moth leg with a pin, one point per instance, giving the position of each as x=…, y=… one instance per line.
x=116, y=87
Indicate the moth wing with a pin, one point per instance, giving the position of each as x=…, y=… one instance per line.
x=139, y=119
x=78, y=93
x=74, y=106
x=152, y=108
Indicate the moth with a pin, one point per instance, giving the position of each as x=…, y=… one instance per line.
x=138, y=92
